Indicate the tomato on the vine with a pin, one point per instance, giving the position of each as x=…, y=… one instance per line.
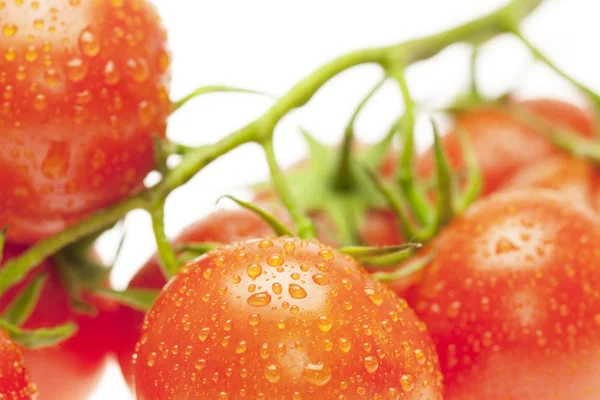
x=223, y=226
x=72, y=369
x=15, y=382
x=282, y=318
x=504, y=145
x=83, y=90
x=512, y=299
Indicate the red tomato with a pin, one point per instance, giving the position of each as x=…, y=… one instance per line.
x=283, y=318
x=577, y=180
x=224, y=226
x=512, y=299
x=15, y=383
x=72, y=369
x=503, y=145
x=83, y=87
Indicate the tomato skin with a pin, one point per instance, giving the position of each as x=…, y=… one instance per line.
x=512, y=299
x=240, y=322
x=15, y=382
x=223, y=226
x=79, y=104
x=72, y=369
x=575, y=179
x=502, y=145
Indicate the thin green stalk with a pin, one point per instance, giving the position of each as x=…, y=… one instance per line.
x=344, y=179
x=166, y=255
x=261, y=129
x=304, y=225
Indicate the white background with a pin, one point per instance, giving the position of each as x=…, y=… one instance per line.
x=270, y=44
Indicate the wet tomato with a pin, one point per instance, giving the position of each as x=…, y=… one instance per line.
x=83, y=88
x=224, y=226
x=576, y=179
x=15, y=382
x=504, y=145
x=512, y=299
x=282, y=318
x=72, y=369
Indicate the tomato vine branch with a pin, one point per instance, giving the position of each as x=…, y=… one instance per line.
x=261, y=130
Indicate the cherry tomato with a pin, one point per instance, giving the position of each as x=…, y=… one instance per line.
x=283, y=318
x=72, y=369
x=83, y=88
x=15, y=382
x=224, y=226
x=503, y=145
x=512, y=299
x=577, y=180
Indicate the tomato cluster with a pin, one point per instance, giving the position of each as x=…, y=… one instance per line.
x=504, y=305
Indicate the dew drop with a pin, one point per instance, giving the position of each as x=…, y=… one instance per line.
x=147, y=112
x=21, y=73
x=261, y=299
x=138, y=69
x=254, y=320
x=236, y=279
x=241, y=347
x=371, y=364
x=317, y=374
x=254, y=270
x=320, y=279
x=277, y=288
x=420, y=356
x=51, y=77
x=275, y=260
x=326, y=254
x=88, y=43
x=265, y=244
x=111, y=73
x=151, y=359
x=76, y=69
x=9, y=30
x=374, y=295
x=407, y=383
x=324, y=323
x=344, y=345
x=272, y=373
x=297, y=291
x=31, y=54
x=10, y=54
x=203, y=335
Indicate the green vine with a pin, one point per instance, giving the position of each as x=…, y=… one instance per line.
x=261, y=131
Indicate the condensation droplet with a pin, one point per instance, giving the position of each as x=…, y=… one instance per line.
x=320, y=279
x=259, y=299
x=317, y=374
x=371, y=364
x=324, y=323
x=407, y=383
x=76, y=69
x=297, y=291
x=254, y=271
x=272, y=373
x=88, y=43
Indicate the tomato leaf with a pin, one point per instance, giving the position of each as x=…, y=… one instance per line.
x=22, y=306
x=138, y=299
x=39, y=338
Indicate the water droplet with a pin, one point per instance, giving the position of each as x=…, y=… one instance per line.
x=454, y=309
x=324, y=323
x=56, y=162
x=272, y=373
x=275, y=260
x=11, y=54
x=76, y=69
x=147, y=112
x=295, y=276
x=241, y=347
x=259, y=299
x=254, y=270
x=326, y=254
x=344, y=344
x=265, y=244
x=21, y=74
x=254, y=320
x=40, y=103
x=51, y=77
x=371, y=364
x=277, y=288
x=9, y=30
x=164, y=61
x=236, y=279
x=31, y=54
x=297, y=291
x=317, y=374
x=88, y=43
x=111, y=73
x=407, y=383
x=420, y=356
x=503, y=245
x=151, y=359
x=374, y=295
x=203, y=335
x=200, y=364
x=347, y=284
x=138, y=69
x=320, y=279
x=264, y=351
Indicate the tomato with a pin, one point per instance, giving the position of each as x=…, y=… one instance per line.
x=503, y=145
x=224, y=226
x=72, y=369
x=283, y=318
x=512, y=299
x=15, y=382
x=576, y=179
x=83, y=88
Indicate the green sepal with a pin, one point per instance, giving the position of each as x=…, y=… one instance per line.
x=20, y=309
x=138, y=299
x=190, y=251
x=407, y=269
x=39, y=338
x=445, y=181
x=278, y=227
x=381, y=256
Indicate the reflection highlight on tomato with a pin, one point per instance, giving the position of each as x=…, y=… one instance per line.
x=83, y=88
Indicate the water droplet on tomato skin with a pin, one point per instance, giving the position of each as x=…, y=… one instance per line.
x=262, y=299
x=272, y=373
x=324, y=323
x=297, y=291
x=89, y=43
x=407, y=383
x=76, y=69
x=371, y=364
x=254, y=271
x=317, y=374
x=9, y=30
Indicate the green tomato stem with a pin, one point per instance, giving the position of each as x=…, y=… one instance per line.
x=166, y=255
x=500, y=21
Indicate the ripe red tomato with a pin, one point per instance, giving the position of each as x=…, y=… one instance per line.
x=503, y=145
x=224, y=226
x=83, y=87
x=15, y=382
x=283, y=318
x=512, y=299
x=576, y=179
x=72, y=369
